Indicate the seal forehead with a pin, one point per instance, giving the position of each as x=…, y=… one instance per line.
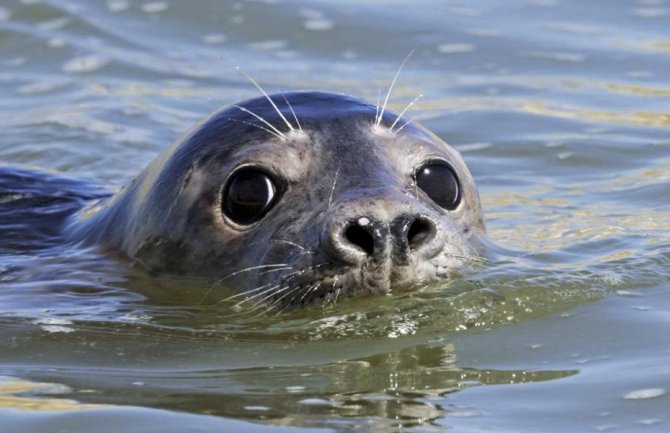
x=341, y=133
x=335, y=128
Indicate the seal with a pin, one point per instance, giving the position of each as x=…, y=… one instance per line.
x=296, y=198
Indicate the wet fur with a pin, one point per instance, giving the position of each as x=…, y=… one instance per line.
x=343, y=162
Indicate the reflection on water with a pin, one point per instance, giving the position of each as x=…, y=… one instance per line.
x=560, y=109
x=400, y=388
x=18, y=394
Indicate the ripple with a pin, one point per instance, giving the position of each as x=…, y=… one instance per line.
x=22, y=395
x=85, y=64
x=456, y=48
x=57, y=42
x=662, y=45
x=560, y=141
x=645, y=394
x=118, y=5
x=318, y=25
x=4, y=14
x=484, y=32
x=155, y=7
x=543, y=3
x=55, y=24
x=651, y=12
x=563, y=57
x=269, y=45
x=578, y=28
x=315, y=20
x=43, y=86
x=214, y=38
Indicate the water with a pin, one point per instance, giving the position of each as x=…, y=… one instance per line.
x=561, y=109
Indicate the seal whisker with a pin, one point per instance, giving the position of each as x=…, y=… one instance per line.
x=276, y=302
x=405, y=110
x=337, y=292
x=251, y=268
x=246, y=293
x=184, y=184
x=312, y=288
x=332, y=189
x=264, y=293
x=257, y=295
x=405, y=124
x=272, y=306
x=455, y=232
x=379, y=100
x=288, y=268
x=466, y=258
x=295, y=116
x=285, y=278
x=460, y=256
x=300, y=247
x=262, y=301
x=274, y=128
x=291, y=290
x=267, y=96
x=337, y=295
x=281, y=137
x=261, y=289
x=388, y=93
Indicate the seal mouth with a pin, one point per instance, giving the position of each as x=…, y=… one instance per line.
x=310, y=290
x=312, y=279
x=329, y=286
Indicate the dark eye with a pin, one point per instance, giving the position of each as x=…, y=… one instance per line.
x=249, y=194
x=438, y=180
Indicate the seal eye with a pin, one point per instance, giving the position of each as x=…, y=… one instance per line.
x=438, y=180
x=249, y=194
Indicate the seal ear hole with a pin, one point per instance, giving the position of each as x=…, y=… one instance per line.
x=360, y=237
x=248, y=195
x=439, y=181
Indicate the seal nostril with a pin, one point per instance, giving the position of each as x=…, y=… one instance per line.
x=361, y=237
x=418, y=233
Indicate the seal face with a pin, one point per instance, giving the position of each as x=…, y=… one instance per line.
x=298, y=197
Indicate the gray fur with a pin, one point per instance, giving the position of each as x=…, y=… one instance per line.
x=339, y=167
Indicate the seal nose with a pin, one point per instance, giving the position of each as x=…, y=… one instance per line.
x=367, y=238
x=361, y=234
x=413, y=231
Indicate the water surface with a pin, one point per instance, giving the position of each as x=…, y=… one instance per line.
x=561, y=109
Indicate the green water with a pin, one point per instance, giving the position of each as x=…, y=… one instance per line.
x=561, y=109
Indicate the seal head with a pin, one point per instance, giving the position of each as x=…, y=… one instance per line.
x=298, y=197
